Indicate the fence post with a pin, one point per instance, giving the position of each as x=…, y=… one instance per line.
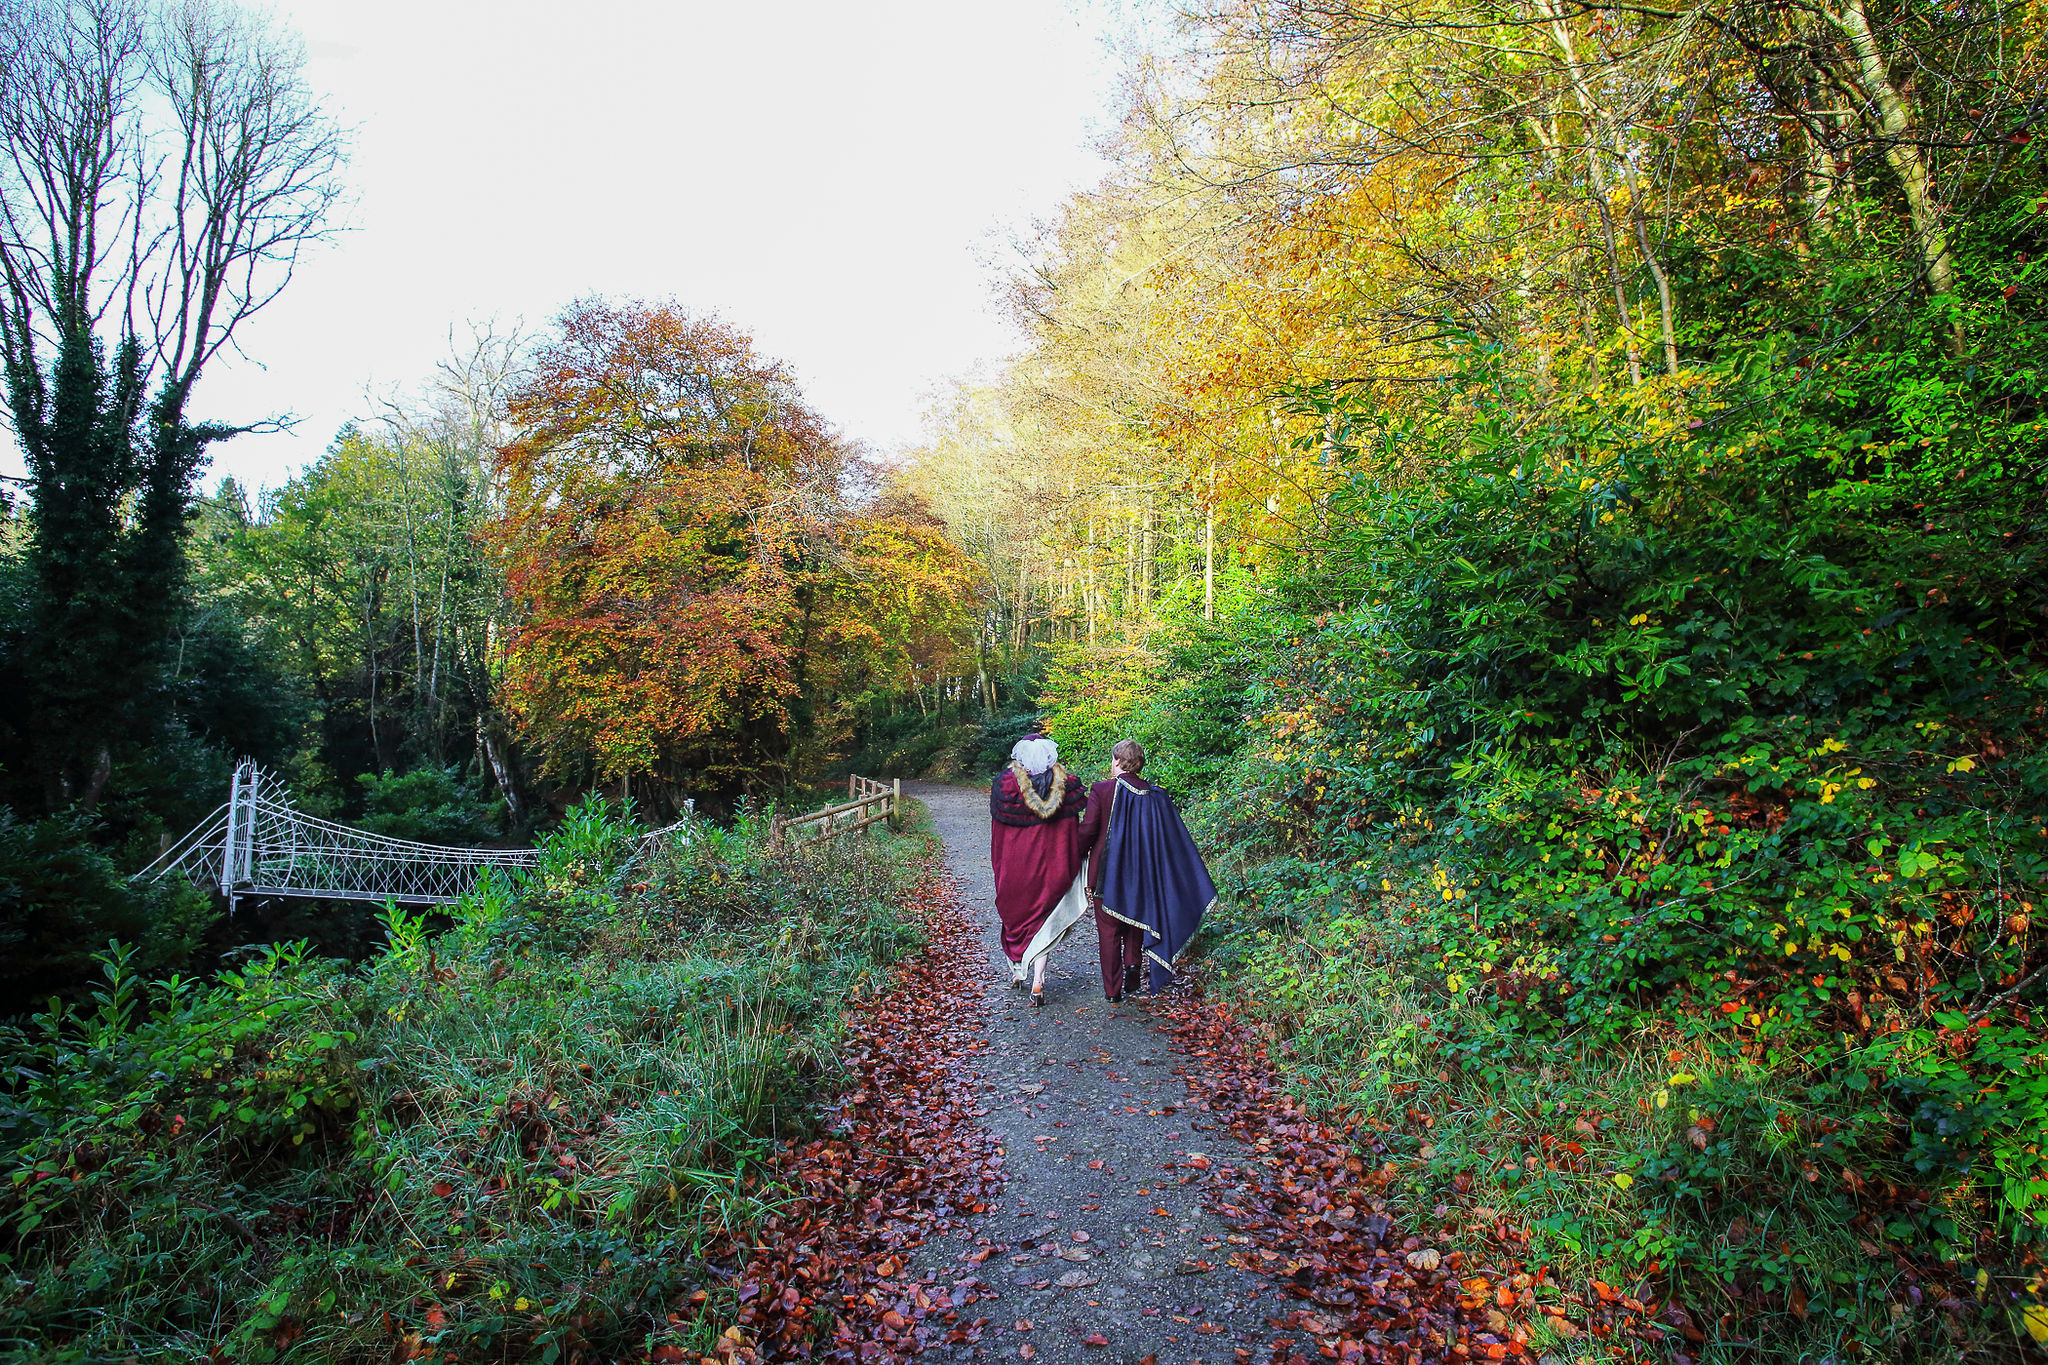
x=775, y=835
x=896, y=806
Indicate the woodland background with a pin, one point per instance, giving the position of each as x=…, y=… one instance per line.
x=1557, y=488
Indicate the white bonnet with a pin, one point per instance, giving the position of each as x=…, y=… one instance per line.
x=1036, y=753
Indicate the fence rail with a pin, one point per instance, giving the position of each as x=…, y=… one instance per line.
x=868, y=802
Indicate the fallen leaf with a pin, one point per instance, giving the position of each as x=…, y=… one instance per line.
x=904, y=1040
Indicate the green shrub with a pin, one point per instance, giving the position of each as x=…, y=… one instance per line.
x=431, y=805
x=1652, y=787
x=521, y=1136
x=61, y=900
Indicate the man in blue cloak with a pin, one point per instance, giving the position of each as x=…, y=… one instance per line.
x=1146, y=879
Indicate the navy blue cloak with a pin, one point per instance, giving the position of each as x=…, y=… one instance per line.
x=1152, y=875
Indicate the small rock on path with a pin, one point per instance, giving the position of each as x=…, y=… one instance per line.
x=1101, y=1239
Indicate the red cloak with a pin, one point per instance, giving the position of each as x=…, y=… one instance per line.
x=1035, y=854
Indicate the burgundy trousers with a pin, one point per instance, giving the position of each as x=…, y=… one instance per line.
x=1122, y=946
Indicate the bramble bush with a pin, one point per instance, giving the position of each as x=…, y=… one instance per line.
x=521, y=1137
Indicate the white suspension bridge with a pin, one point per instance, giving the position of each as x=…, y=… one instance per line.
x=260, y=844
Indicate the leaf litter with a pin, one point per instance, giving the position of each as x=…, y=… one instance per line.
x=903, y=1159
x=1314, y=1215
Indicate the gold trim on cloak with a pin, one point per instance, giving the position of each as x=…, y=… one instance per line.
x=1146, y=949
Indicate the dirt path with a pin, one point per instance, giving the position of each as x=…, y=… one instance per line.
x=1100, y=1229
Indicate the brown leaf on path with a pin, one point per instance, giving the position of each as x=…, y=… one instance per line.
x=1095, y=1339
x=1315, y=1208
x=888, y=1171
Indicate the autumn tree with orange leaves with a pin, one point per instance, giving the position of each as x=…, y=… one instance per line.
x=701, y=571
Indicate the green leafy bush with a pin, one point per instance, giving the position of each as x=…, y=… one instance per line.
x=1640, y=810
x=1181, y=693
x=62, y=898
x=521, y=1136
x=432, y=805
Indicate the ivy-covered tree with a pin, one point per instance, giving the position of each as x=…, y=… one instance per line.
x=161, y=167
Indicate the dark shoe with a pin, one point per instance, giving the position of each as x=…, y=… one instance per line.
x=1131, y=980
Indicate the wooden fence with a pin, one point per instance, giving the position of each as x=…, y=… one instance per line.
x=867, y=802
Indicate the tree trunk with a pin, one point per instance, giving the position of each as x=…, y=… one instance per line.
x=501, y=771
x=1209, y=552
x=96, y=782
x=1090, y=601
x=1906, y=156
x=1145, y=583
x=1594, y=127
x=1664, y=310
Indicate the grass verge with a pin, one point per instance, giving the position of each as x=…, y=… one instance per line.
x=537, y=1135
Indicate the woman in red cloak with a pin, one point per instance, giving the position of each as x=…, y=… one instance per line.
x=1034, y=808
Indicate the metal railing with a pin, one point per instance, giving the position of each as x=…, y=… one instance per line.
x=260, y=844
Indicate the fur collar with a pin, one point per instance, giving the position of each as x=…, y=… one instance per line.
x=1047, y=806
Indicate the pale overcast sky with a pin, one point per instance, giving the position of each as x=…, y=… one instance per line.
x=828, y=176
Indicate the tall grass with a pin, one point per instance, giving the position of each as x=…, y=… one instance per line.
x=527, y=1137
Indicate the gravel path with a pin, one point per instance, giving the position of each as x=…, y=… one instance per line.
x=1102, y=1234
